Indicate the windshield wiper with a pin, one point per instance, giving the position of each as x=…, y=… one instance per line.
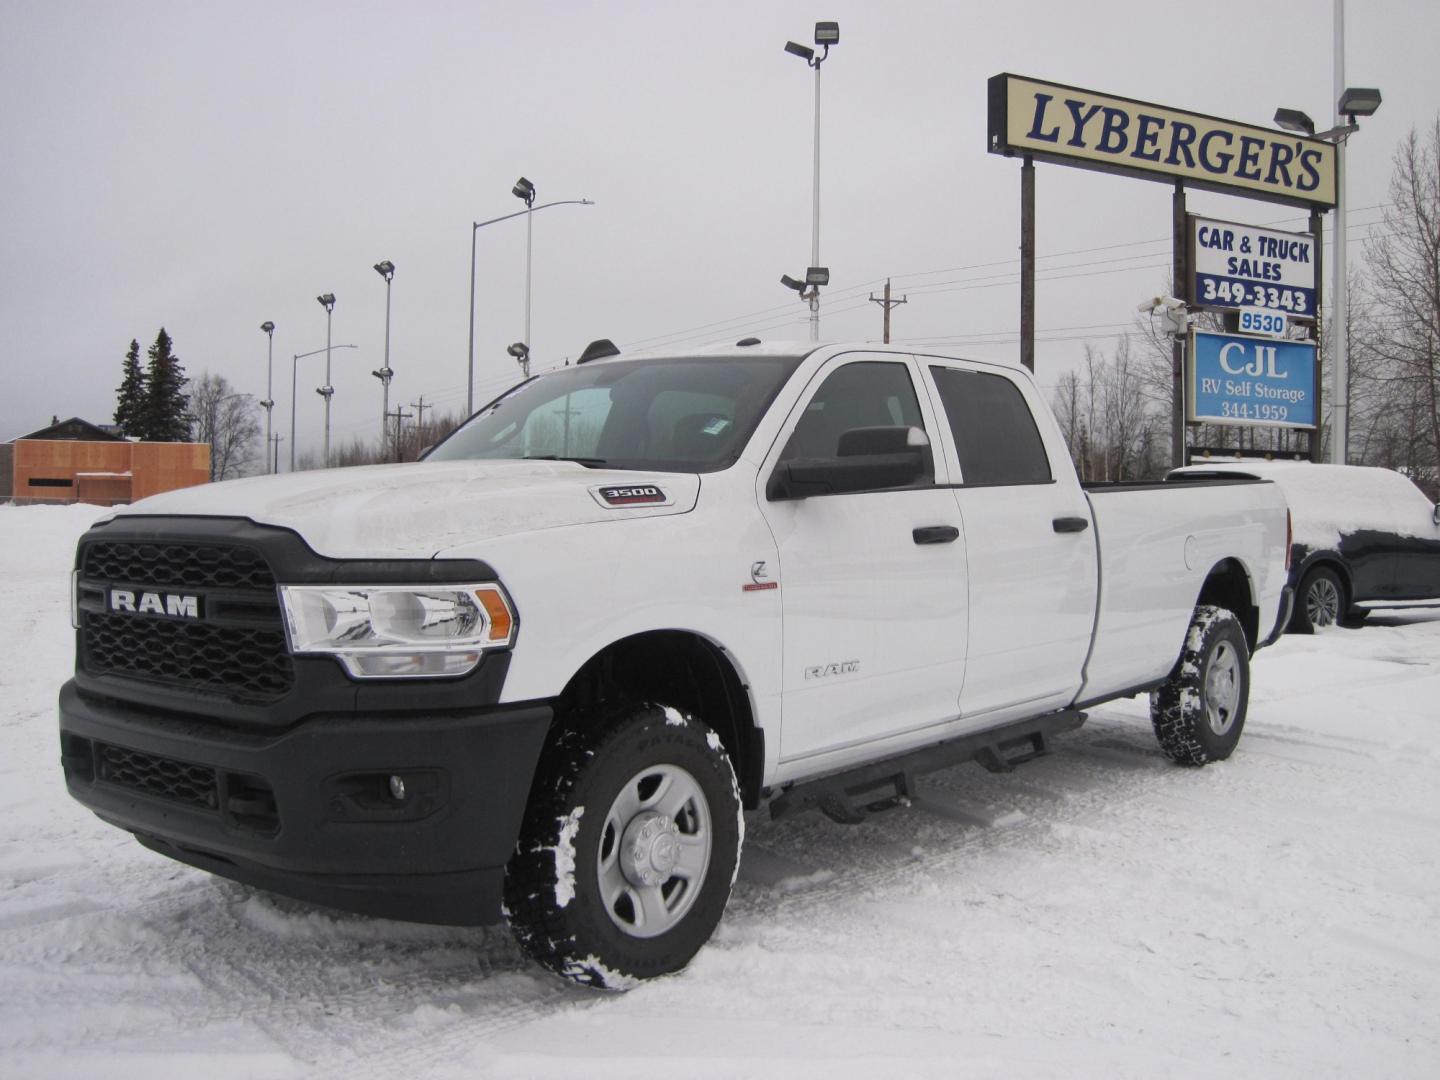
x=588, y=462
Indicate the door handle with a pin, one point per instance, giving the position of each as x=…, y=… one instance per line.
x=936, y=534
x=1071, y=524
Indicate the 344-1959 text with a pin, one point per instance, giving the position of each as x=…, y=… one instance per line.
x=1243, y=410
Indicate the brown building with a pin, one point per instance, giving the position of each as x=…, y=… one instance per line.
x=75, y=461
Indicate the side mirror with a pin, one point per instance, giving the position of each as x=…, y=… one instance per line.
x=1435, y=517
x=868, y=459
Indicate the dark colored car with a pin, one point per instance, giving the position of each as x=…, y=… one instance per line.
x=1362, y=536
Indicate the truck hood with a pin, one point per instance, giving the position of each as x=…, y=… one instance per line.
x=419, y=510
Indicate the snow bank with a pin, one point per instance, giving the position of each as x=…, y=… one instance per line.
x=1098, y=913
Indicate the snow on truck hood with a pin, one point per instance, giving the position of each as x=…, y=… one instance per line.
x=419, y=510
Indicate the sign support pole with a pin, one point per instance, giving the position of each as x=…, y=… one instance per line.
x=1180, y=283
x=1317, y=230
x=1027, y=263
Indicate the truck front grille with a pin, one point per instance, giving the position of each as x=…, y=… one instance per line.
x=163, y=778
x=191, y=566
x=243, y=664
x=236, y=649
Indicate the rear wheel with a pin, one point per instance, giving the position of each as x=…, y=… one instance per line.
x=629, y=848
x=1199, y=712
x=1320, y=603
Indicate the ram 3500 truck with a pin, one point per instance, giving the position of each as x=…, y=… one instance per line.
x=542, y=674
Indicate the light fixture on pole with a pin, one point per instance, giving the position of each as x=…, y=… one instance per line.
x=1354, y=101
x=521, y=352
x=476, y=226
x=327, y=301
x=294, y=367
x=269, y=403
x=815, y=278
x=525, y=191
x=826, y=34
x=385, y=269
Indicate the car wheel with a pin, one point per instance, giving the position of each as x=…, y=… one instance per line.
x=629, y=847
x=1199, y=712
x=1320, y=603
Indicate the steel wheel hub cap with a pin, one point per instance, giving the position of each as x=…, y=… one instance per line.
x=650, y=850
x=655, y=850
x=1222, y=688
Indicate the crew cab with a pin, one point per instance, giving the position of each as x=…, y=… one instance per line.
x=1364, y=537
x=543, y=673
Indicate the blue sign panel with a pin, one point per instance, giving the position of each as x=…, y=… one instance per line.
x=1251, y=380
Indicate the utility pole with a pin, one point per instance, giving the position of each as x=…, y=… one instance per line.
x=420, y=407
x=400, y=416
x=887, y=304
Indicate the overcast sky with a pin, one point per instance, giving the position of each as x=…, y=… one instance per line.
x=206, y=167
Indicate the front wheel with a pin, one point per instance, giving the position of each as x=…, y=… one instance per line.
x=1321, y=602
x=628, y=849
x=1199, y=712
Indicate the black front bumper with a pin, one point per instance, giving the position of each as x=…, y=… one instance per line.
x=310, y=811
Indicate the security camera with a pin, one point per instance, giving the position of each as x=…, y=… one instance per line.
x=1173, y=312
x=1157, y=304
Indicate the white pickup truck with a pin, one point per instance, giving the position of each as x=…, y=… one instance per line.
x=543, y=673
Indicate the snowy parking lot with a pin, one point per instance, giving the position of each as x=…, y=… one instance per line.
x=1097, y=913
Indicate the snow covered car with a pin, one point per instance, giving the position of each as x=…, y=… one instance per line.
x=1363, y=536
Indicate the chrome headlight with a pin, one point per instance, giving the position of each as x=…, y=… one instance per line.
x=398, y=631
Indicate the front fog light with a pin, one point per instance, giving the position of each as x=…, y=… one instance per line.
x=392, y=631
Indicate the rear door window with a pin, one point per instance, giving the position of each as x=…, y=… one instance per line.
x=995, y=434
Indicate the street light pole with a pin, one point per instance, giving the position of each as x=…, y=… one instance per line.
x=327, y=301
x=525, y=190
x=386, y=270
x=269, y=402
x=1353, y=101
x=476, y=226
x=826, y=34
x=294, y=366
x=1340, y=302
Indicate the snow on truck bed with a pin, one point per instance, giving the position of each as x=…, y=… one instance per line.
x=1098, y=913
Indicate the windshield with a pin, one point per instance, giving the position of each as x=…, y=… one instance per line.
x=693, y=414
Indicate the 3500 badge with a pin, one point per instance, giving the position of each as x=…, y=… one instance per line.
x=632, y=495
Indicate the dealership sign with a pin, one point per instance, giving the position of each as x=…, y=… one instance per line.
x=1250, y=380
x=1069, y=126
x=1236, y=266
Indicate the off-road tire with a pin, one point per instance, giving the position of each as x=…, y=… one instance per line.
x=1199, y=712
x=1320, y=601
x=642, y=783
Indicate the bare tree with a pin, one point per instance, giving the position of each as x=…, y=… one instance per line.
x=1404, y=288
x=228, y=421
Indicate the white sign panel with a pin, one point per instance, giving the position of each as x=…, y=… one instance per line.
x=1237, y=266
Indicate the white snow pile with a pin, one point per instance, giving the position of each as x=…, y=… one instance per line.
x=1098, y=913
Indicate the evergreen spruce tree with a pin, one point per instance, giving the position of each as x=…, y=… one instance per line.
x=165, y=418
x=130, y=397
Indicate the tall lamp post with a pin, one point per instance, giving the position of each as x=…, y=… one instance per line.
x=1354, y=101
x=269, y=402
x=386, y=270
x=826, y=34
x=476, y=226
x=327, y=301
x=525, y=191
x=294, y=366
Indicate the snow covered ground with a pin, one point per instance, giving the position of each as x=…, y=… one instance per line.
x=1098, y=913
